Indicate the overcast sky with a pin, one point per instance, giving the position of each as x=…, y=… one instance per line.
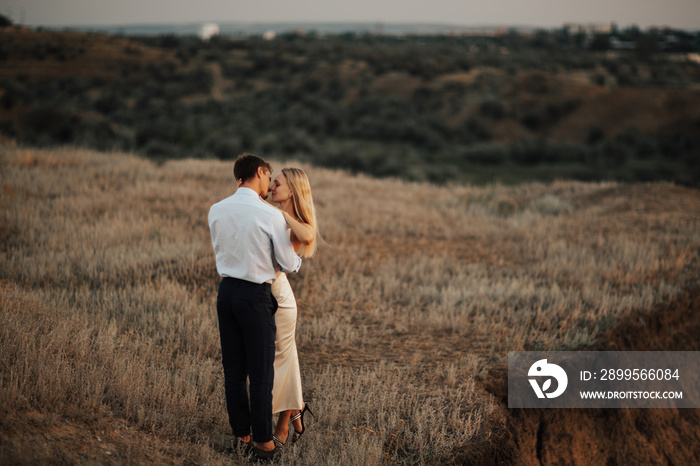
x=545, y=13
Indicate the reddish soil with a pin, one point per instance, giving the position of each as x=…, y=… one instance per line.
x=45, y=55
x=614, y=436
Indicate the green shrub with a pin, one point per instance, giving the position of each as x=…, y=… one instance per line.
x=533, y=119
x=493, y=109
x=641, y=145
x=5, y=21
x=477, y=130
x=598, y=79
x=335, y=90
x=161, y=149
x=48, y=125
x=486, y=154
x=595, y=135
x=615, y=153
x=558, y=110
x=108, y=104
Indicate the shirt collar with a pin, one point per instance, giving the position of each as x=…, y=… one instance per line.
x=246, y=192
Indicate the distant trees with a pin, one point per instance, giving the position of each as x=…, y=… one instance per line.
x=443, y=118
x=600, y=43
x=5, y=21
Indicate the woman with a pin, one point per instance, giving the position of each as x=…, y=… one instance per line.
x=292, y=192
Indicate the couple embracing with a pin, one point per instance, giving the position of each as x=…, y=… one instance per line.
x=255, y=244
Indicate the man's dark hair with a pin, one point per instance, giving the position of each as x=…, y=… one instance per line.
x=247, y=165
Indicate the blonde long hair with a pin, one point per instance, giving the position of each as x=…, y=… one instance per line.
x=303, y=203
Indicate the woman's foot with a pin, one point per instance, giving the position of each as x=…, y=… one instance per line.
x=282, y=428
x=298, y=422
x=280, y=439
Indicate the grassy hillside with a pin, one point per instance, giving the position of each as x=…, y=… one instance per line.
x=109, y=348
x=508, y=108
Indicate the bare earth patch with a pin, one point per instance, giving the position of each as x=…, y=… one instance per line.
x=618, y=436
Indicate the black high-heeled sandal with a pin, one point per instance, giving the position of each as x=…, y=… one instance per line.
x=298, y=433
x=278, y=443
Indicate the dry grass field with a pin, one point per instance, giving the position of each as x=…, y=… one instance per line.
x=109, y=347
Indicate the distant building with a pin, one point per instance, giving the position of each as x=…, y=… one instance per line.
x=618, y=44
x=269, y=35
x=590, y=28
x=209, y=30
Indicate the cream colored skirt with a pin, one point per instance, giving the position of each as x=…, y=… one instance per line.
x=286, y=392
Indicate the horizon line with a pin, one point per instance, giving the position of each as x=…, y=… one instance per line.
x=440, y=24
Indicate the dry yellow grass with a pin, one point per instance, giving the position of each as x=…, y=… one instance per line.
x=108, y=286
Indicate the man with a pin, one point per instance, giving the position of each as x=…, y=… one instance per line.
x=246, y=234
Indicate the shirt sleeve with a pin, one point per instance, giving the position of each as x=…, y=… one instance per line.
x=282, y=247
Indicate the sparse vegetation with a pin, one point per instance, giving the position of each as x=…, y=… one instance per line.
x=381, y=105
x=109, y=340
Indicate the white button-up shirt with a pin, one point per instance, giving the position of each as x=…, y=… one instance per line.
x=247, y=234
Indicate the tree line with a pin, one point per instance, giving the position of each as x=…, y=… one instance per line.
x=314, y=98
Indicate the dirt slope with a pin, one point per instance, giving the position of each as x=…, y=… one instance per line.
x=616, y=436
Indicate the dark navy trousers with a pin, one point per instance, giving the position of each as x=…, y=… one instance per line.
x=247, y=329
